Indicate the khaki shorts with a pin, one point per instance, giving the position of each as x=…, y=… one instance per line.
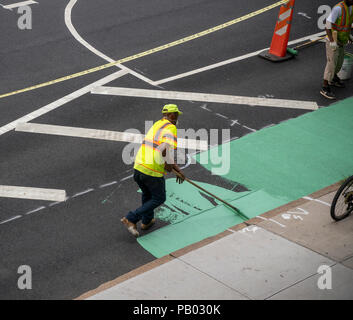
x=335, y=60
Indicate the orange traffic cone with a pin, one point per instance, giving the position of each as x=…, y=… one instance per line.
x=278, y=51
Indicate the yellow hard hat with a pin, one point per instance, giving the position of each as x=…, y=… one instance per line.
x=170, y=108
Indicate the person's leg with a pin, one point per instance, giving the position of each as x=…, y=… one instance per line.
x=340, y=60
x=146, y=194
x=156, y=187
x=131, y=216
x=331, y=56
x=336, y=81
x=329, y=71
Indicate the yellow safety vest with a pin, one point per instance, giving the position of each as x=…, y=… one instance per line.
x=343, y=24
x=149, y=159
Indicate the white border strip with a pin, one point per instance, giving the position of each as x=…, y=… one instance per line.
x=204, y=97
x=102, y=135
x=32, y=193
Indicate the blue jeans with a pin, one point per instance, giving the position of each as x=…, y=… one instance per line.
x=153, y=195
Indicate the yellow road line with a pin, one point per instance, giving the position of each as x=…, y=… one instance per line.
x=148, y=52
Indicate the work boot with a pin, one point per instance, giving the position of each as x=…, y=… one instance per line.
x=337, y=82
x=327, y=93
x=131, y=227
x=149, y=225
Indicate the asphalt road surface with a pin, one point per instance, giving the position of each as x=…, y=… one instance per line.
x=76, y=245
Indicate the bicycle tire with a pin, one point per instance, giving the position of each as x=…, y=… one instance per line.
x=347, y=185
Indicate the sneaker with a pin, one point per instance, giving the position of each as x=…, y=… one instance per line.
x=337, y=82
x=327, y=93
x=131, y=227
x=149, y=225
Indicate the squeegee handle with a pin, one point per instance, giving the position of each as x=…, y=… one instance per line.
x=309, y=42
x=214, y=196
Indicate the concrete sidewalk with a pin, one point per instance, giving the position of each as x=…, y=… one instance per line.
x=287, y=253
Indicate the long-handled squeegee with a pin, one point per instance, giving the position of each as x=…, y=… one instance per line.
x=214, y=196
x=294, y=51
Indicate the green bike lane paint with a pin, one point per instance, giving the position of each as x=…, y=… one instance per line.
x=278, y=164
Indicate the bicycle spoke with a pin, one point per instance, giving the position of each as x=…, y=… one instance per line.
x=344, y=203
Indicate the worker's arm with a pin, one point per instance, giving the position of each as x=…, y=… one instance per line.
x=331, y=36
x=167, y=153
x=332, y=18
x=329, y=32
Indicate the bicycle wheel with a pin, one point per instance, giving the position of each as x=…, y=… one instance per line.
x=342, y=204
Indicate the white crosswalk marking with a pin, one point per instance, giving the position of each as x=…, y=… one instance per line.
x=205, y=97
x=102, y=135
x=32, y=193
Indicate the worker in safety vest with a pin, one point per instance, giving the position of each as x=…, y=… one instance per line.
x=153, y=159
x=338, y=29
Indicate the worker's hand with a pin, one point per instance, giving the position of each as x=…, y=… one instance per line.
x=334, y=45
x=180, y=178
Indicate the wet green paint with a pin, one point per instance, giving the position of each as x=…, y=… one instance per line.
x=206, y=223
x=279, y=164
x=297, y=157
x=185, y=201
